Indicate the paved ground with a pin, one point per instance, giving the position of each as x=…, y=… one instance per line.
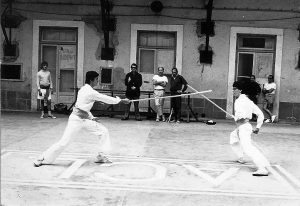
x=154, y=164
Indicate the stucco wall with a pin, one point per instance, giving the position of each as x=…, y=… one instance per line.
x=201, y=77
x=290, y=74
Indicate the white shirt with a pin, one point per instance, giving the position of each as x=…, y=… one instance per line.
x=87, y=96
x=244, y=108
x=159, y=79
x=269, y=86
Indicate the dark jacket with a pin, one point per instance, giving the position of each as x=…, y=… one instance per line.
x=176, y=84
x=133, y=80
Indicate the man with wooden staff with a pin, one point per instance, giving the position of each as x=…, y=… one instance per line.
x=82, y=118
x=240, y=138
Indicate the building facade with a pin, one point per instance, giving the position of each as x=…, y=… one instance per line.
x=260, y=39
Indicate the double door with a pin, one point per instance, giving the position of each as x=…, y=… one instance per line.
x=62, y=66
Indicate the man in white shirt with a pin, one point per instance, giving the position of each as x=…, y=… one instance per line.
x=44, y=85
x=240, y=138
x=81, y=117
x=159, y=82
x=269, y=94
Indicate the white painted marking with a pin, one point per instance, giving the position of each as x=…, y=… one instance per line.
x=228, y=173
x=215, y=181
x=72, y=169
x=160, y=172
x=4, y=155
x=282, y=180
x=165, y=190
x=139, y=158
x=288, y=175
x=59, y=158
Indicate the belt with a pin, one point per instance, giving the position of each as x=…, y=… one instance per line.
x=159, y=89
x=241, y=121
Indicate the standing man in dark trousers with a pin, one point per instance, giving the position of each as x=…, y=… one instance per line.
x=133, y=82
x=178, y=86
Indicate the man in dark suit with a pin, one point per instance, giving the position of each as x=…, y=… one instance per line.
x=133, y=82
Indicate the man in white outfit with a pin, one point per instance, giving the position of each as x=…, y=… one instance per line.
x=160, y=82
x=81, y=117
x=240, y=138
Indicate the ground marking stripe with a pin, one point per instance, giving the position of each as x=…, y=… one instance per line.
x=72, y=169
x=228, y=173
x=215, y=181
x=158, y=190
x=138, y=158
x=288, y=175
x=282, y=180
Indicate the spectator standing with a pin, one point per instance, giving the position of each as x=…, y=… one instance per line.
x=160, y=82
x=269, y=98
x=45, y=88
x=133, y=82
x=253, y=89
x=178, y=85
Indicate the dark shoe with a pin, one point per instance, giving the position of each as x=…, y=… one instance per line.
x=102, y=159
x=125, y=118
x=261, y=172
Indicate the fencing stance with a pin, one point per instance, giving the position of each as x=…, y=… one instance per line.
x=240, y=138
x=81, y=117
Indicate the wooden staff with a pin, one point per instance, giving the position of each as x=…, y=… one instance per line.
x=211, y=101
x=165, y=97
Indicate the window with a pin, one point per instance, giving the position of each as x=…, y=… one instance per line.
x=256, y=42
x=156, y=48
x=54, y=34
x=11, y=72
x=106, y=76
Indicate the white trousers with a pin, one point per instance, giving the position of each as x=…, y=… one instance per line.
x=159, y=103
x=74, y=125
x=240, y=140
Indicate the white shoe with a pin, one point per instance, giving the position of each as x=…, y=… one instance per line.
x=273, y=118
x=261, y=172
x=241, y=160
x=267, y=121
x=102, y=159
x=38, y=162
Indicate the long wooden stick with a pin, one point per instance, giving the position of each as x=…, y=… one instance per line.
x=165, y=97
x=211, y=101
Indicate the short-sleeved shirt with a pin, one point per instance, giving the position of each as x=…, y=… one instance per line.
x=160, y=79
x=177, y=82
x=269, y=86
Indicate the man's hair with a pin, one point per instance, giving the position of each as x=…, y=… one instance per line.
x=90, y=76
x=252, y=76
x=160, y=67
x=174, y=68
x=238, y=84
x=44, y=63
x=133, y=65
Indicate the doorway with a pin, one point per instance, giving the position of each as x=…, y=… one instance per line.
x=58, y=47
x=264, y=56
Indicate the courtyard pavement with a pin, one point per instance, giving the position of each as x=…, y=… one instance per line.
x=154, y=164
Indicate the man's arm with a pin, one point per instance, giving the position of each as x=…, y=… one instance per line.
x=260, y=117
x=184, y=82
x=126, y=79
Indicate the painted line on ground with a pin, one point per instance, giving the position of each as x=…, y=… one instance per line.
x=72, y=169
x=284, y=182
x=166, y=190
x=215, y=181
x=138, y=158
x=288, y=175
